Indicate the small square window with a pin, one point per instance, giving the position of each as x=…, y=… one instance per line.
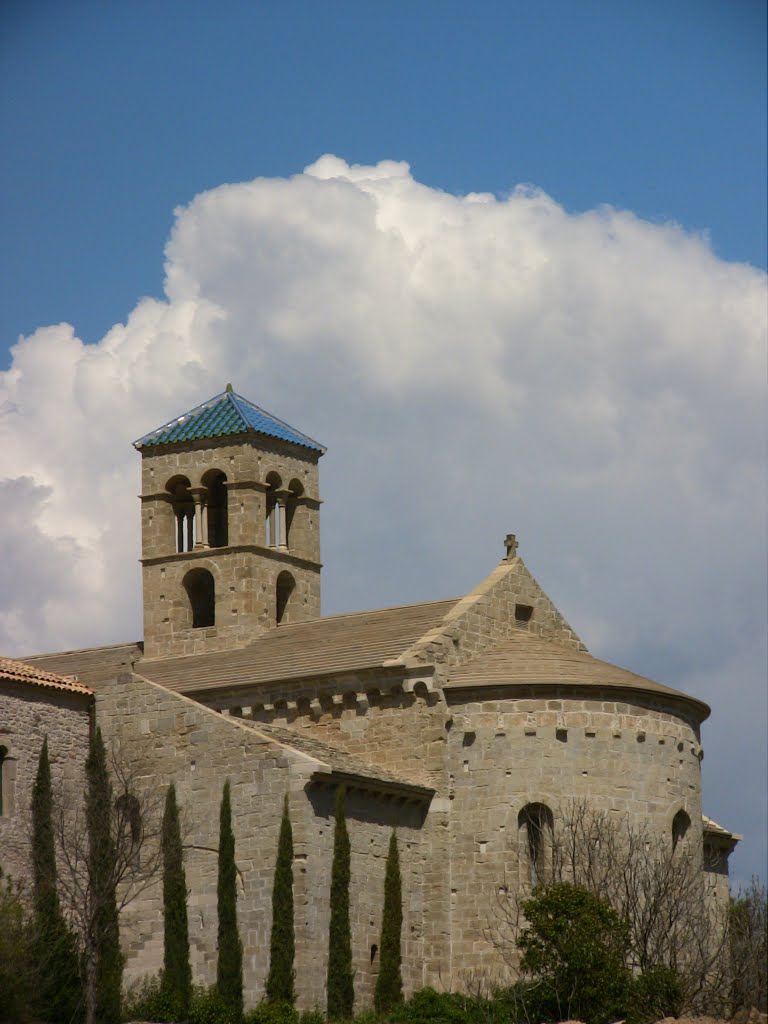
x=523, y=613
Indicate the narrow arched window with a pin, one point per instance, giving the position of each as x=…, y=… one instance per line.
x=535, y=829
x=680, y=825
x=216, y=508
x=284, y=589
x=129, y=828
x=201, y=592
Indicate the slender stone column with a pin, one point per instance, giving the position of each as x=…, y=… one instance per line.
x=271, y=538
x=282, y=522
x=180, y=517
x=201, y=519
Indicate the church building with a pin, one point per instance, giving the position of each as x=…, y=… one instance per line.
x=464, y=723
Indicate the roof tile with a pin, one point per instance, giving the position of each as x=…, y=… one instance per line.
x=222, y=416
x=20, y=672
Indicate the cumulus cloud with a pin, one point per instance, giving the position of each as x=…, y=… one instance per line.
x=475, y=365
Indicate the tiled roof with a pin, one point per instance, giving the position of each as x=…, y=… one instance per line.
x=20, y=672
x=338, y=760
x=527, y=659
x=713, y=829
x=331, y=645
x=93, y=666
x=225, y=414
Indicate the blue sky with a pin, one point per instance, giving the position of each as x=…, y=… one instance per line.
x=581, y=361
x=112, y=114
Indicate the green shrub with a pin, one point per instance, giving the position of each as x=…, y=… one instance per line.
x=210, y=1007
x=430, y=1007
x=16, y=963
x=576, y=947
x=655, y=994
x=367, y=1017
x=149, y=1000
x=312, y=1017
x=269, y=1012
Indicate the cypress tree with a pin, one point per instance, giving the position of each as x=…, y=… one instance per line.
x=229, y=971
x=389, y=984
x=104, y=942
x=177, y=973
x=282, y=944
x=57, y=979
x=341, y=993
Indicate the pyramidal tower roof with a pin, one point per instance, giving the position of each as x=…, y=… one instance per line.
x=221, y=416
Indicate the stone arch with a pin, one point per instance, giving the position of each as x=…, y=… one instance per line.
x=215, y=482
x=201, y=594
x=285, y=588
x=535, y=828
x=680, y=825
x=183, y=505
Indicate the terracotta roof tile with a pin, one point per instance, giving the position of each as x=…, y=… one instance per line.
x=20, y=672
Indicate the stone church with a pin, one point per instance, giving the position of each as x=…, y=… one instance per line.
x=463, y=723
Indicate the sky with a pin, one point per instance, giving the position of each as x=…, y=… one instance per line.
x=507, y=261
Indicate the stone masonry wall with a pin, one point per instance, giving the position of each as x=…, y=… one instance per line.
x=486, y=616
x=637, y=759
x=247, y=568
x=245, y=589
x=27, y=715
x=175, y=739
x=381, y=724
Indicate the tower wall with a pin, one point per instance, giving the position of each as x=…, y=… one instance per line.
x=272, y=527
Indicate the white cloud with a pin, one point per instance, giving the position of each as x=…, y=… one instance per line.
x=475, y=365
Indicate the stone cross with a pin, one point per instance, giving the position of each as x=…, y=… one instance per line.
x=510, y=543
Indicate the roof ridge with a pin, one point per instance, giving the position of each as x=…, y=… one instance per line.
x=234, y=397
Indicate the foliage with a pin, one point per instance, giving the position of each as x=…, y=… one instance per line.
x=312, y=1017
x=210, y=1007
x=177, y=973
x=58, y=987
x=147, y=1000
x=280, y=982
x=748, y=921
x=229, y=971
x=430, y=1007
x=273, y=1012
x=654, y=995
x=16, y=957
x=675, y=921
x=340, y=984
x=106, y=961
x=389, y=984
x=576, y=946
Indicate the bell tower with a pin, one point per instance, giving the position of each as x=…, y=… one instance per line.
x=230, y=527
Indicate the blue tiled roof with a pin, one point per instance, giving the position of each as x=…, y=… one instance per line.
x=227, y=413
